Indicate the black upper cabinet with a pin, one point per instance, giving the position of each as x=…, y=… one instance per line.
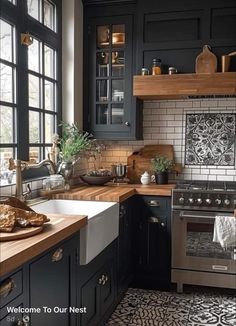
x=108, y=56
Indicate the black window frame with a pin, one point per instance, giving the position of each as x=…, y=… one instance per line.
x=16, y=14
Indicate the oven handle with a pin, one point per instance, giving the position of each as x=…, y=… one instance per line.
x=189, y=215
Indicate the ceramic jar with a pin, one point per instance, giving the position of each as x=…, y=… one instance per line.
x=145, y=178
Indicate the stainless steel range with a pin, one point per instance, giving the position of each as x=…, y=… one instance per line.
x=196, y=259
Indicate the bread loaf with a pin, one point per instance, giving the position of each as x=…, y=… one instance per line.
x=12, y=216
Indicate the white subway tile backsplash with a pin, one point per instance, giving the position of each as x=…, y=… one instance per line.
x=224, y=178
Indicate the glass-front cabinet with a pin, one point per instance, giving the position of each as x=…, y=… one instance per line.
x=110, y=77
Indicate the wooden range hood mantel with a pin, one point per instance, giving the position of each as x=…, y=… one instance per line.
x=183, y=85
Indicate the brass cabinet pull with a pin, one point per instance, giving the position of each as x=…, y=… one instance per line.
x=58, y=254
x=103, y=279
x=6, y=287
x=153, y=203
x=153, y=219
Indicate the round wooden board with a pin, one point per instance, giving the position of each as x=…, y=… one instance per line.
x=20, y=233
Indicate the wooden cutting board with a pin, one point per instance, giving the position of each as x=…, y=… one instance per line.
x=20, y=233
x=206, y=62
x=139, y=162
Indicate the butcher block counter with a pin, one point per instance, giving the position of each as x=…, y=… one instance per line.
x=115, y=192
x=15, y=253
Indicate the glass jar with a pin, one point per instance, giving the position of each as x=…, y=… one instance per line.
x=55, y=181
x=156, y=67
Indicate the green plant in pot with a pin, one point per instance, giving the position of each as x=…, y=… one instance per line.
x=161, y=165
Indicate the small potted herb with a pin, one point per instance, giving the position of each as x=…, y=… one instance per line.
x=161, y=165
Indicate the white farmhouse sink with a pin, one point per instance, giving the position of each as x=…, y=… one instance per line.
x=102, y=227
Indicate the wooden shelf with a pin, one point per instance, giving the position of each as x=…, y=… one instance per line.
x=183, y=85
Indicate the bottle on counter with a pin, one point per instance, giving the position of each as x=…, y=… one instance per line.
x=156, y=67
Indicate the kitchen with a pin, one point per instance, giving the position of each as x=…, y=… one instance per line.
x=126, y=124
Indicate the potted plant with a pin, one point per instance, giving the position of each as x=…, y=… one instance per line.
x=72, y=144
x=161, y=165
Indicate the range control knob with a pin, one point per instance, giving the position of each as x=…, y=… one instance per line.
x=208, y=201
x=181, y=200
x=226, y=202
x=199, y=201
x=191, y=200
x=218, y=201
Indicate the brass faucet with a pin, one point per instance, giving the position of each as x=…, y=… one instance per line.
x=19, y=166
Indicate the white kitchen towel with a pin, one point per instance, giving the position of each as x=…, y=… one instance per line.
x=225, y=231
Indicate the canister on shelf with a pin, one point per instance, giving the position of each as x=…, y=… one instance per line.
x=156, y=67
x=172, y=70
x=144, y=71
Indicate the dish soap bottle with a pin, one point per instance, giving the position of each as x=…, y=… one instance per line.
x=145, y=178
x=156, y=67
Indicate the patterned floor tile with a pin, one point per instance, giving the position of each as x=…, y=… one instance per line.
x=196, y=307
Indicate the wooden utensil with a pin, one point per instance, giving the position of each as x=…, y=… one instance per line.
x=206, y=62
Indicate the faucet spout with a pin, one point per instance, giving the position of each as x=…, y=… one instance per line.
x=19, y=166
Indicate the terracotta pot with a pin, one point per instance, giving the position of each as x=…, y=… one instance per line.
x=161, y=178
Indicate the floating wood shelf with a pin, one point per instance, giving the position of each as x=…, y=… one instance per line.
x=183, y=85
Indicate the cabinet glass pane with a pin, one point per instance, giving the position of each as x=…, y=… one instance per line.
x=117, y=90
x=103, y=36
x=118, y=63
x=102, y=64
x=102, y=90
x=117, y=113
x=102, y=114
x=118, y=35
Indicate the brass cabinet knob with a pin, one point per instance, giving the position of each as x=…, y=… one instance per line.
x=6, y=287
x=57, y=256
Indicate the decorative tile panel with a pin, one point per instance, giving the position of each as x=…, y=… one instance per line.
x=210, y=139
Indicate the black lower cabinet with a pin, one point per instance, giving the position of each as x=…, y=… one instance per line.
x=97, y=287
x=12, y=318
x=125, y=266
x=152, y=242
x=52, y=285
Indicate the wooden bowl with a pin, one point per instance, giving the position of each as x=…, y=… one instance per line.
x=96, y=180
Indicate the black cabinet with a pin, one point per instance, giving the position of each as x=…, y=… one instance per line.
x=52, y=285
x=152, y=242
x=47, y=284
x=125, y=246
x=108, y=53
x=12, y=295
x=97, y=287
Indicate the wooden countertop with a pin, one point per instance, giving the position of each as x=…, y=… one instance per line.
x=15, y=253
x=115, y=192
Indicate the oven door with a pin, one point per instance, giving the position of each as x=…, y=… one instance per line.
x=192, y=245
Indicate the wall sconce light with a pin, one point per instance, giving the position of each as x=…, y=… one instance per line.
x=26, y=39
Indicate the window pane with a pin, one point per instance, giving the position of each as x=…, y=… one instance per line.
x=49, y=95
x=34, y=91
x=117, y=113
x=6, y=125
x=6, y=83
x=49, y=62
x=5, y=154
x=49, y=15
x=34, y=56
x=102, y=112
x=34, y=9
x=34, y=154
x=6, y=39
x=49, y=127
x=34, y=127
